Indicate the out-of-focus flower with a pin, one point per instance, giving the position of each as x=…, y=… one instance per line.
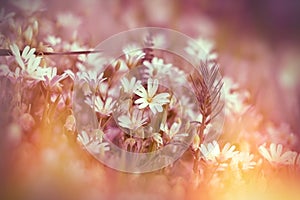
x=130, y=87
x=68, y=20
x=52, y=79
x=132, y=121
x=202, y=49
x=5, y=16
x=52, y=40
x=243, y=160
x=172, y=131
x=133, y=54
x=156, y=41
x=212, y=152
x=73, y=46
x=92, y=61
x=92, y=78
x=148, y=97
x=29, y=6
x=70, y=124
x=156, y=68
x=92, y=145
x=104, y=108
x=275, y=155
x=281, y=134
x=234, y=100
x=5, y=71
x=216, y=181
x=159, y=41
x=158, y=139
x=99, y=134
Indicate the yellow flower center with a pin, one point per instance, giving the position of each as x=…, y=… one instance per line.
x=149, y=99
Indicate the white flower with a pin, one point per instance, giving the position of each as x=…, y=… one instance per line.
x=92, y=78
x=156, y=41
x=52, y=40
x=243, y=160
x=4, y=70
x=29, y=6
x=130, y=86
x=5, y=17
x=27, y=53
x=172, y=131
x=29, y=64
x=133, y=121
x=104, y=108
x=234, y=100
x=133, y=54
x=51, y=77
x=69, y=20
x=275, y=154
x=157, y=138
x=212, y=152
x=159, y=41
x=92, y=61
x=156, y=68
x=74, y=46
x=201, y=48
x=148, y=97
x=95, y=146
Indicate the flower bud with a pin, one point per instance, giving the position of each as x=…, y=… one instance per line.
x=196, y=142
x=70, y=124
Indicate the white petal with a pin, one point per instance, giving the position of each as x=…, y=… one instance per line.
x=152, y=87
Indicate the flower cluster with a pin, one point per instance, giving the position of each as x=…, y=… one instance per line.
x=54, y=99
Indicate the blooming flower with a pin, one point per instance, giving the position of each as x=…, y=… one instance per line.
x=92, y=61
x=148, y=97
x=29, y=6
x=156, y=68
x=52, y=40
x=171, y=131
x=212, y=151
x=26, y=54
x=68, y=20
x=133, y=54
x=132, y=121
x=234, y=100
x=104, y=108
x=159, y=41
x=95, y=146
x=5, y=17
x=202, y=49
x=28, y=63
x=275, y=154
x=92, y=78
x=51, y=77
x=243, y=160
x=130, y=86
